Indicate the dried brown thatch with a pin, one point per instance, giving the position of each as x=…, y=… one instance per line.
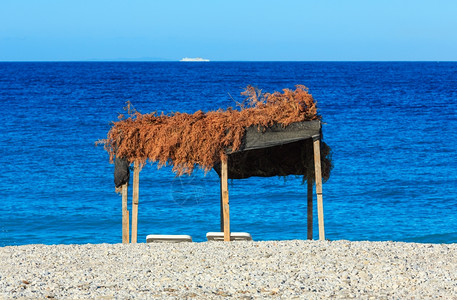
x=186, y=140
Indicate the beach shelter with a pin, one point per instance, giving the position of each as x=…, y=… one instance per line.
x=277, y=134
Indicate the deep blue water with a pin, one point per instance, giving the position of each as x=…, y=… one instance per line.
x=392, y=127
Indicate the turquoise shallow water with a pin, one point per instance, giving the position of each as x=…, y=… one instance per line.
x=392, y=128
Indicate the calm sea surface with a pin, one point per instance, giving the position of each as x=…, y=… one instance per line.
x=392, y=128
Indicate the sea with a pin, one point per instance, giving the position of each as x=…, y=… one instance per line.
x=392, y=128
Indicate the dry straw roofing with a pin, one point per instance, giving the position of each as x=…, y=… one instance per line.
x=186, y=140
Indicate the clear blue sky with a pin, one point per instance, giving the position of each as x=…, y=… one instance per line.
x=228, y=30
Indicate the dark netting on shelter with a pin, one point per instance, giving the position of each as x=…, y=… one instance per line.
x=278, y=151
x=282, y=160
x=121, y=172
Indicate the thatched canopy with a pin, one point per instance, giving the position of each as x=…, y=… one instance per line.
x=268, y=135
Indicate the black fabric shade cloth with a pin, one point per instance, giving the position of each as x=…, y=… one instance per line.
x=121, y=172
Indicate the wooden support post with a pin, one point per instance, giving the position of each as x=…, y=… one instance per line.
x=135, y=196
x=225, y=199
x=310, y=207
x=222, y=205
x=318, y=180
x=125, y=215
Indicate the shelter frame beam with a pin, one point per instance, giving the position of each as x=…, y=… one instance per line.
x=125, y=215
x=135, y=200
x=318, y=180
x=225, y=199
x=310, y=206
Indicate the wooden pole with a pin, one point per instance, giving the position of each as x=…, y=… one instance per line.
x=222, y=205
x=136, y=184
x=318, y=179
x=310, y=207
x=225, y=199
x=125, y=215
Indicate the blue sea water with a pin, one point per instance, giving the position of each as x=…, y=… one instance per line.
x=392, y=127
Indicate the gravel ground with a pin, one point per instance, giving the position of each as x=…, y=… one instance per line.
x=242, y=270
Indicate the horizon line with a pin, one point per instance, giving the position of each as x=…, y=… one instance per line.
x=212, y=61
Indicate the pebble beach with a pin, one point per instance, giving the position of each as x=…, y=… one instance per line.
x=241, y=270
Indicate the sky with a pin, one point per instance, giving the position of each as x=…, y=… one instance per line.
x=235, y=30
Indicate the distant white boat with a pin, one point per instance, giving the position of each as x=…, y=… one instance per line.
x=196, y=59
